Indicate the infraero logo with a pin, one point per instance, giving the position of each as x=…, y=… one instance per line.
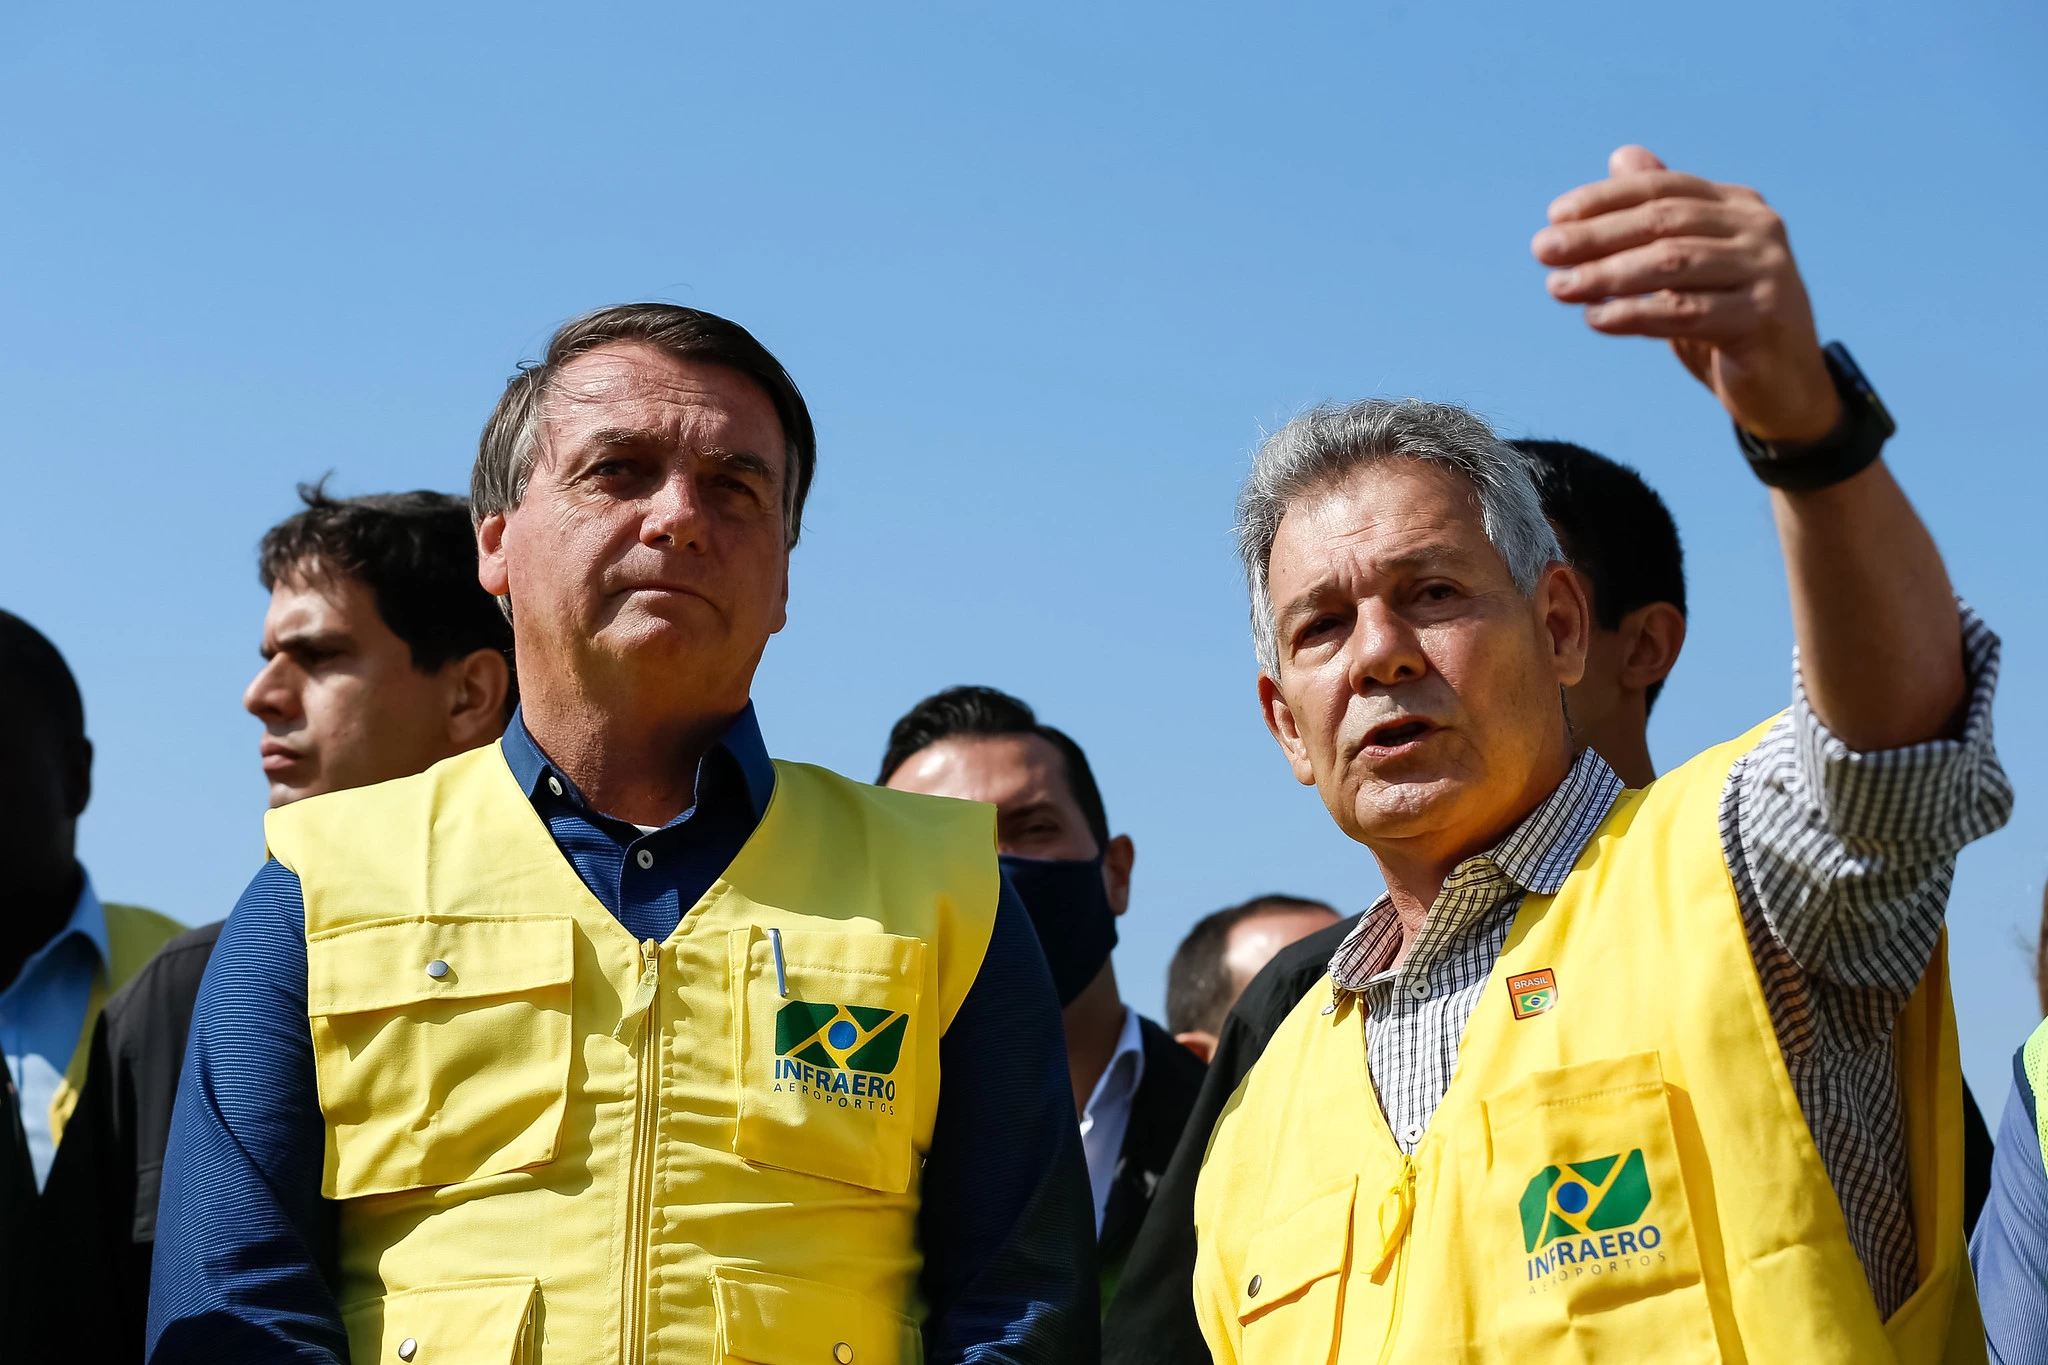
x=1589, y=1214
x=842, y=1053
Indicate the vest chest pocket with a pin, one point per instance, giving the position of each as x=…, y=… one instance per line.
x=441, y=1047
x=1592, y=1243
x=1288, y=1294
x=768, y=1319
x=826, y=1038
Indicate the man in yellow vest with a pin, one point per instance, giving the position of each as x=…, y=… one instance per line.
x=618, y=1040
x=62, y=950
x=1658, y=1074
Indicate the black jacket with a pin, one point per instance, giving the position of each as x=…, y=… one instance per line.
x=1159, y=1112
x=1153, y=1321
x=97, y=1214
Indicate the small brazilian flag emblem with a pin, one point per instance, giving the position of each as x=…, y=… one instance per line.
x=1533, y=992
x=841, y=1037
x=1584, y=1197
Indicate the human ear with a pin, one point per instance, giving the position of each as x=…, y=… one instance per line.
x=477, y=686
x=492, y=571
x=1566, y=619
x=1201, y=1042
x=1279, y=719
x=1117, y=858
x=1653, y=635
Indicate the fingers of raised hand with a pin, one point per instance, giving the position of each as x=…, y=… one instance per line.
x=1678, y=315
x=1588, y=239
x=1626, y=191
x=1666, y=263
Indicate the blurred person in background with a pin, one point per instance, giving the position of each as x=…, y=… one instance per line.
x=621, y=1030
x=1220, y=956
x=1132, y=1084
x=2009, y=1247
x=382, y=656
x=62, y=952
x=1597, y=963
x=1624, y=549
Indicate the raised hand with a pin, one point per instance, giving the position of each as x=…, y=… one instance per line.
x=1706, y=266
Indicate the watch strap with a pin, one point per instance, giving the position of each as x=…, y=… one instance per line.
x=1853, y=446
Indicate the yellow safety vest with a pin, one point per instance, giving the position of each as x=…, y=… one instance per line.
x=133, y=936
x=1620, y=1170
x=552, y=1143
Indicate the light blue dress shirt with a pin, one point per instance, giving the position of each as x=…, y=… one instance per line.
x=42, y=1015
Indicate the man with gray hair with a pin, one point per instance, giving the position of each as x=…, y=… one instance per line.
x=1610, y=1074
x=617, y=1040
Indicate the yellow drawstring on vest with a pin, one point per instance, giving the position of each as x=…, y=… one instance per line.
x=1400, y=1198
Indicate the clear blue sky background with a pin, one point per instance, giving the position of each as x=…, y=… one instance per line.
x=1045, y=273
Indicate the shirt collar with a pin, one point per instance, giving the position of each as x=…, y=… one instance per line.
x=1121, y=1077
x=1536, y=855
x=1540, y=852
x=741, y=741
x=88, y=921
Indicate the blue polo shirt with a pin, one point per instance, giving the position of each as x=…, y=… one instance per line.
x=246, y=1248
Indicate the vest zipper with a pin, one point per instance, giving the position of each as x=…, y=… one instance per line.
x=645, y=1010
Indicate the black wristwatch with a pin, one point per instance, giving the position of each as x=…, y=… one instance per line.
x=1849, y=449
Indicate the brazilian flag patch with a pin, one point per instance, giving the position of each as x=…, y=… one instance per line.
x=1584, y=1197
x=1533, y=993
x=841, y=1037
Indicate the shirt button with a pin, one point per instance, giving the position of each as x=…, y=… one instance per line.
x=436, y=969
x=644, y=858
x=408, y=1348
x=1412, y=1134
x=1419, y=990
x=554, y=784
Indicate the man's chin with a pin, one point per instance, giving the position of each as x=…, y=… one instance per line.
x=1401, y=810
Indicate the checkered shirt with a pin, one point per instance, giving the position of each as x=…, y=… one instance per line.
x=1842, y=863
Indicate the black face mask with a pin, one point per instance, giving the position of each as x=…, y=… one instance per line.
x=1070, y=910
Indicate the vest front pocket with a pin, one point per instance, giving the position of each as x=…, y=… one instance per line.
x=826, y=1038
x=768, y=1319
x=1288, y=1295
x=1589, y=1236
x=441, y=1047
x=480, y=1322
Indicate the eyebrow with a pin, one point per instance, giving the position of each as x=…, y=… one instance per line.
x=332, y=641
x=630, y=438
x=1420, y=559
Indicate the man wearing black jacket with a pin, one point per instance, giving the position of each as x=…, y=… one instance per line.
x=1133, y=1084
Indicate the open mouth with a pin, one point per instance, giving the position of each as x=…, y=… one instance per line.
x=1397, y=733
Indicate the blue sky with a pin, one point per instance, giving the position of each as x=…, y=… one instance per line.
x=1045, y=273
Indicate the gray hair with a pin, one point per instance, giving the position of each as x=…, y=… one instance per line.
x=1324, y=444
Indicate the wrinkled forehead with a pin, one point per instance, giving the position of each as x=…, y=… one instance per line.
x=1387, y=517
x=638, y=389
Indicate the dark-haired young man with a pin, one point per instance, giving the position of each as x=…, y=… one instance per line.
x=1133, y=1084
x=1220, y=956
x=382, y=656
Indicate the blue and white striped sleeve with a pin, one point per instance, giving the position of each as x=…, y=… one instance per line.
x=245, y=1245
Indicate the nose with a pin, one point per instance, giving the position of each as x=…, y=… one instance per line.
x=270, y=696
x=675, y=514
x=1385, y=649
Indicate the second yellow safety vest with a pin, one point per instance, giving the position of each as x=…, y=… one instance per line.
x=1620, y=1170
x=554, y=1144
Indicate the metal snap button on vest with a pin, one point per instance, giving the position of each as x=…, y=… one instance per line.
x=1251, y=1291
x=554, y=784
x=843, y=1354
x=644, y=858
x=408, y=1348
x=436, y=969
